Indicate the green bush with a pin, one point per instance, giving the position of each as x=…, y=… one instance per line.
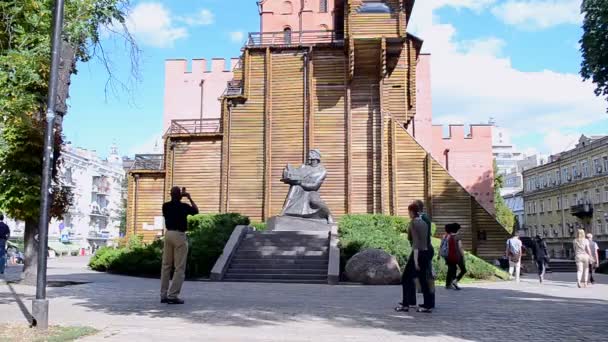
x=259, y=226
x=389, y=233
x=207, y=235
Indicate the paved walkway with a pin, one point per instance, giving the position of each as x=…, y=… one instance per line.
x=127, y=309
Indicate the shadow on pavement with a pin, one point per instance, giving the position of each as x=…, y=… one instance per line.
x=477, y=313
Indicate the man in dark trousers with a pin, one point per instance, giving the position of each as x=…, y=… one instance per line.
x=5, y=233
x=175, y=250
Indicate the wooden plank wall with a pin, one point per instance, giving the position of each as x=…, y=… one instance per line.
x=197, y=167
x=148, y=202
x=396, y=85
x=246, y=157
x=365, y=108
x=412, y=61
x=366, y=25
x=410, y=171
x=287, y=123
x=328, y=117
x=495, y=235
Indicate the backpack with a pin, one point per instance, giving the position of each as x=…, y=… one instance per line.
x=453, y=252
x=444, y=250
x=514, y=254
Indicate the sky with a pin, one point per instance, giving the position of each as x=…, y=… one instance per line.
x=516, y=61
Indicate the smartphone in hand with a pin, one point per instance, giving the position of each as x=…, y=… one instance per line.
x=184, y=193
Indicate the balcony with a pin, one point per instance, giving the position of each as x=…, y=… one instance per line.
x=294, y=38
x=582, y=210
x=194, y=126
x=234, y=88
x=153, y=162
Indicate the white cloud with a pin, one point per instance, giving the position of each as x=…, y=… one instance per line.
x=237, y=36
x=202, y=18
x=556, y=141
x=151, y=23
x=472, y=82
x=539, y=14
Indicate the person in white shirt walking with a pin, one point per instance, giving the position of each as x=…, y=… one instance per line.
x=513, y=253
x=594, y=258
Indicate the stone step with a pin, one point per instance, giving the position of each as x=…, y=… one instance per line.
x=279, y=254
x=275, y=276
x=271, y=249
x=258, y=243
x=274, y=270
x=279, y=262
x=277, y=281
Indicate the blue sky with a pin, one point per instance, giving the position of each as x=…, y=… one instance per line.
x=513, y=60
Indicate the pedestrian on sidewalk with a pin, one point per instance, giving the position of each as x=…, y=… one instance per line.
x=5, y=233
x=582, y=254
x=541, y=257
x=594, y=258
x=453, y=253
x=175, y=250
x=417, y=265
x=513, y=253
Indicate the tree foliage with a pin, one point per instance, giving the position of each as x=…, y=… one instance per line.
x=504, y=215
x=25, y=51
x=594, y=44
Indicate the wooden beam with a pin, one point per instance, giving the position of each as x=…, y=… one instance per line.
x=428, y=178
x=394, y=198
x=267, y=210
x=349, y=148
x=474, y=228
x=311, y=108
x=225, y=156
x=246, y=73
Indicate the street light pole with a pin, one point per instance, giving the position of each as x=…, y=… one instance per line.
x=40, y=305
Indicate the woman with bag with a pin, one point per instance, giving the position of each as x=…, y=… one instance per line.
x=453, y=253
x=541, y=257
x=581, y=256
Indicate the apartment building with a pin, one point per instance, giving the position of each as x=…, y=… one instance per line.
x=569, y=192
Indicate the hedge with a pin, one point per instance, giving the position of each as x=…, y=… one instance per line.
x=207, y=236
x=389, y=233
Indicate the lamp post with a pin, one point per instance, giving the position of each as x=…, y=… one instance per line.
x=40, y=305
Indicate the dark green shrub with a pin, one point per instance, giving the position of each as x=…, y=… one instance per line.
x=259, y=226
x=208, y=235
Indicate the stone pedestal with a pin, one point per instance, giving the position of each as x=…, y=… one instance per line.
x=290, y=223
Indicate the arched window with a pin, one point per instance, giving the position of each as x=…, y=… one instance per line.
x=287, y=35
x=323, y=6
x=287, y=8
x=323, y=27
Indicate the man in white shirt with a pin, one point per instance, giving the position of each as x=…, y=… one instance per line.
x=513, y=253
x=594, y=260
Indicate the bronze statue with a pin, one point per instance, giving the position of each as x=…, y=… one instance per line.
x=303, y=199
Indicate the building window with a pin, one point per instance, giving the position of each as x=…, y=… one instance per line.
x=585, y=198
x=574, y=199
x=287, y=8
x=598, y=196
x=542, y=206
x=323, y=6
x=287, y=35
x=585, y=168
x=597, y=166
x=549, y=205
x=606, y=194
x=574, y=171
x=557, y=177
x=605, y=164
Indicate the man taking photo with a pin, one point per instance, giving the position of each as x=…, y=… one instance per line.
x=175, y=250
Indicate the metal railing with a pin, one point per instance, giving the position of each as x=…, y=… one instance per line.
x=195, y=126
x=293, y=38
x=148, y=162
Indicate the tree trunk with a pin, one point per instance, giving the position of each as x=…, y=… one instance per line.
x=30, y=254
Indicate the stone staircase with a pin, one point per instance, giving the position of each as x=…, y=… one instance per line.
x=562, y=266
x=280, y=257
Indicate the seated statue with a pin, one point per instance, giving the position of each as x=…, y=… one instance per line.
x=303, y=199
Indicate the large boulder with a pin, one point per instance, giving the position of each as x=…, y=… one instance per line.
x=373, y=267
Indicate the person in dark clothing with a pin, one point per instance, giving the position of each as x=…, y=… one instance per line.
x=5, y=233
x=175, y=249
x=540, y=256
x=418, y=265
x=455, y=256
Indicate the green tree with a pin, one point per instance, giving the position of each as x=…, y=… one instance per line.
x=25, y=29
x=504, y=215
x=594, y=44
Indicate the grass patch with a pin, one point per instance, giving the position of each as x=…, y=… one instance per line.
x=23, y=333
